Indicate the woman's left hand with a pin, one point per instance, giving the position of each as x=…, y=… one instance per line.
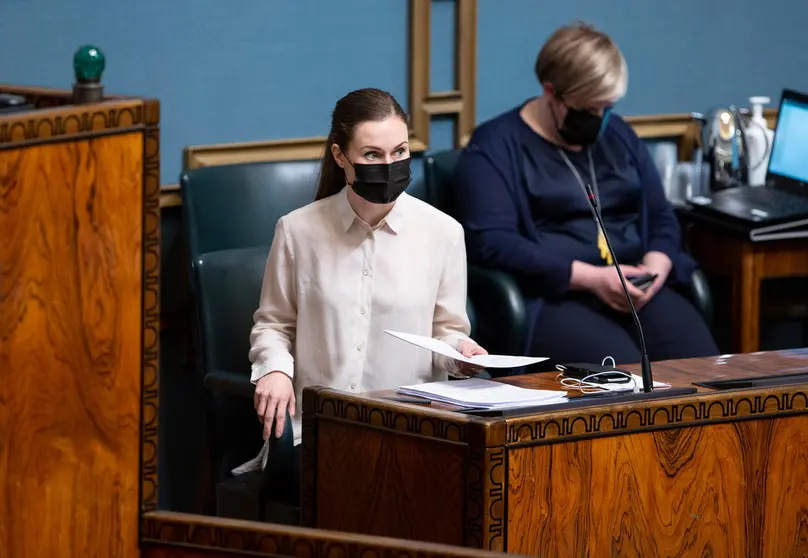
x=660, y=264
x=469, y=349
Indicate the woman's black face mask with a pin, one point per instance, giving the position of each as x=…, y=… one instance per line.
x=581, y=127
x=381, y=182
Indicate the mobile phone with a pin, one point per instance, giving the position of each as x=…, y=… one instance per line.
x=644, y=281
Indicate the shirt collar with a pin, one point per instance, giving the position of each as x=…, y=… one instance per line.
x=392, y=221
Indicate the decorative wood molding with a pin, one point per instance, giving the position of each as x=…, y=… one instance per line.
x=230, y=537
x=150, y=389
x=486, y=523
x=675, y=125
x=72, y=122
x=459, y=102
x=297, y=149
x=690, y=411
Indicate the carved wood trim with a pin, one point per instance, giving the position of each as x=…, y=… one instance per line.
x=247, y=538
x=486, y=507
x=656, y=415
x=150, y=393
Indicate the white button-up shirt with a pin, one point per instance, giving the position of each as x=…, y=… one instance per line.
x=333, y=285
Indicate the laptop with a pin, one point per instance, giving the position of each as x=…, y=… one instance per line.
x=779, y=209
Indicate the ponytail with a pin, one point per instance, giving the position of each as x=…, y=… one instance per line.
x=332, y=176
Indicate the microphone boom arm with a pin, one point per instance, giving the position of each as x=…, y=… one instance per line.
x=647, y=376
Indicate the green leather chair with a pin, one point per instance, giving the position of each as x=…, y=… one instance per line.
x=501, y=324
x=237, y=206
x=228, y=284
x=229, y=217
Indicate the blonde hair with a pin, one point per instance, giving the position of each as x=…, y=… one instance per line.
x=583, y=65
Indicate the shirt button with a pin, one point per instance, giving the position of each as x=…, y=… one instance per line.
x=362, y=311
x=366, y=272
x=359, y=347
x=353, y=386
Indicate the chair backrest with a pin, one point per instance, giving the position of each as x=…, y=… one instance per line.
x=228, y=287
x=439, y=169
x=237, y=206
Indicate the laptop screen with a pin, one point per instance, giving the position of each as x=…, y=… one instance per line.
x=788, y=157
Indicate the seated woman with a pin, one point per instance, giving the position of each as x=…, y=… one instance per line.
x=363, y=258
x=521, y=185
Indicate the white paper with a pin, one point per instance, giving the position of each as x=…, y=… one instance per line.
x=486, y=394
x=485, y=361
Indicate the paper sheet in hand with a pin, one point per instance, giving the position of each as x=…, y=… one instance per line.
x=486, y=361
x=479, y=393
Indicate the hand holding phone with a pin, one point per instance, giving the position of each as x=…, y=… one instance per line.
x=644, y=281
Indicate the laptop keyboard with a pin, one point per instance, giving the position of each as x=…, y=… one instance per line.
x=769, y=200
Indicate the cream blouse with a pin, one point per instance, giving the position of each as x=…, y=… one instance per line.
x=333, y=285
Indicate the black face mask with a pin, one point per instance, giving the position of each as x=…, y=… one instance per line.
x=581, y=127
x=381, y=182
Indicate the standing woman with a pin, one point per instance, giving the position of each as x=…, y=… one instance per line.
x=364, y=257
x=522, y=199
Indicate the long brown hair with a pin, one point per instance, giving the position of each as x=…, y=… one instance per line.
x=362, y=105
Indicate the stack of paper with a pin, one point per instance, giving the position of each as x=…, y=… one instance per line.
x=483, y=394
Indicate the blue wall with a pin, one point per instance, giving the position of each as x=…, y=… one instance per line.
x=271, y=69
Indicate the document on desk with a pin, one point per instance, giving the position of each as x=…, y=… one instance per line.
x=486, y=361
x=483, y=394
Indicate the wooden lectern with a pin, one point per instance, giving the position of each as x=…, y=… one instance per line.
x=79, y=266
x=718, y=473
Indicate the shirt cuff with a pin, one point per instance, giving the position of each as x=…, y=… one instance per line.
x=276, y=363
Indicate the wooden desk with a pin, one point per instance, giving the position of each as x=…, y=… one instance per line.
x=714, y=473
x=722, y=252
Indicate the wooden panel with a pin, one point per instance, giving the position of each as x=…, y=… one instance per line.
x=783, y=495
x=377, y=483
x=70, y=360
x=177, y=535
x=634, y=495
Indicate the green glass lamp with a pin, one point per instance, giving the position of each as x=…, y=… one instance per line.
x=88, y=65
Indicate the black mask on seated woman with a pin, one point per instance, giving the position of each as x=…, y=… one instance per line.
x=581, y=127
x=381, y=182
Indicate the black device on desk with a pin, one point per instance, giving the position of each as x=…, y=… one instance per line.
x=780, y=208
x=595, y=373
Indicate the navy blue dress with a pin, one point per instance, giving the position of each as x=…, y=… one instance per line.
x=525, y=212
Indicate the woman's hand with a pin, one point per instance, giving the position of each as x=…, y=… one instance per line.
x=604, y=282
x=468, y=349
x=659, y=264
x=274, y=394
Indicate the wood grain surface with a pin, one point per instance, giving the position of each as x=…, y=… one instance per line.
x=70, y=360
x=732, y=489
x=393, y=486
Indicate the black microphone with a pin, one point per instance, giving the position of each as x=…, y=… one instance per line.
x=647, y=377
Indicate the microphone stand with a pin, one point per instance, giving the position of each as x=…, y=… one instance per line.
x=647, y=376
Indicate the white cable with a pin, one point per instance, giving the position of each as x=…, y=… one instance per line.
x=586, y=386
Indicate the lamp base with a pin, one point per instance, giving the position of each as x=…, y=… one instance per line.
x=84, y=93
